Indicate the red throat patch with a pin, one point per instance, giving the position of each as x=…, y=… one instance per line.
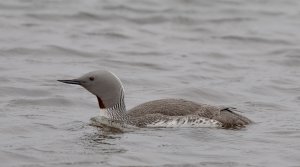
x=100, y=102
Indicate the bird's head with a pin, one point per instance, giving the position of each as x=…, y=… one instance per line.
x=103, y=84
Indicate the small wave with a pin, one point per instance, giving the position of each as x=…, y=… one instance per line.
x=110, y=35
x=147, y=20
x=87, y=16
x=60, y=17
x=265, y=106
x=33, y=116
x=21, y=51
x=16, y=7
x=230, y=20
x=4, y=79
x=285, y=90
x=69, y=51
x=126, y=8
x=73, y=125
x=289, y=52
x=13, y=91
x=228, y=66
x=49, y=50
x=148, y=65
x=255, y=40
x=40, y=102
x=17, y=155
x=48, y=126
x=205, y=95
x=215, y=55
x=288, y=57
x=140, y=53
x=200, y=30
x=30, y=24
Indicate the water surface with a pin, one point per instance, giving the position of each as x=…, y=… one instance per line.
x=236, y=53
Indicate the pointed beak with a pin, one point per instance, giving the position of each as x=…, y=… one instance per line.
x=73, y=81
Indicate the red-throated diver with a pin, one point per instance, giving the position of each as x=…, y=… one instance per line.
x=109, y=91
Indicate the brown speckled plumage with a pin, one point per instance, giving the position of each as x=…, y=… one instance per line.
x=163, y=109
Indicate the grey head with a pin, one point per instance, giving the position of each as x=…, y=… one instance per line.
x=103, y=84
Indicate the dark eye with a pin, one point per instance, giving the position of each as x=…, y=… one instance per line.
x=92, y=78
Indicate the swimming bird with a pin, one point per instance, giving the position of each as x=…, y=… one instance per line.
x=108, y=89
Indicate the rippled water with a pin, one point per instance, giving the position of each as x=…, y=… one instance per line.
x=240, y=53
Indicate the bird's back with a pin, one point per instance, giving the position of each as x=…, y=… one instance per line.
x=169, y=107
x=177, y=109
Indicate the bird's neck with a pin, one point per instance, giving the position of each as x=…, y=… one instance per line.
x=118, y=111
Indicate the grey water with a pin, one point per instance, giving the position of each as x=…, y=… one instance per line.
x=239, y=53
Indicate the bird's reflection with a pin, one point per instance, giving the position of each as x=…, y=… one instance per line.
x=102, y=140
